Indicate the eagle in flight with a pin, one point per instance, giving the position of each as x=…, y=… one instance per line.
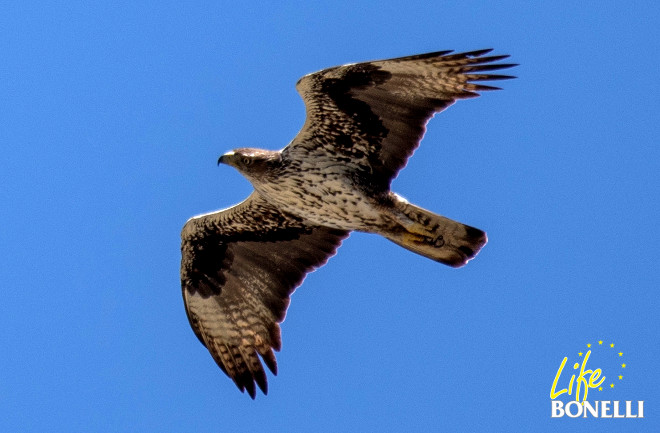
x=240, y=265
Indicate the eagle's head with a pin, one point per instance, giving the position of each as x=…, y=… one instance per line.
x=255, y=164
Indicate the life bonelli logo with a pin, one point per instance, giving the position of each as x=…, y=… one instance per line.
x=603, y=382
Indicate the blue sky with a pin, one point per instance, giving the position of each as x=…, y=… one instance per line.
x=112, y=117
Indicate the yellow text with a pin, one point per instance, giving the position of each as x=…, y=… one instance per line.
x=582, y=382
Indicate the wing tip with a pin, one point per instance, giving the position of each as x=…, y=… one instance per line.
x=247, y=380
x=270, y=361
x=488, y=77
x=478, y=53
x=470, y=64
x=251, y=389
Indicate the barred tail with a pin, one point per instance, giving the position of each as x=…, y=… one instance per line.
x=436, y=237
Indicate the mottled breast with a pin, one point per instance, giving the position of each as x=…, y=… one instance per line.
x=326, y=197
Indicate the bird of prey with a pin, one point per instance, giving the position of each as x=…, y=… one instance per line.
x=240, y=265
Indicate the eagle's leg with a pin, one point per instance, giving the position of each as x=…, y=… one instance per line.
x=417, y=233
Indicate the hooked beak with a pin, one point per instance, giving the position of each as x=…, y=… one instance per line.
x=224, y=159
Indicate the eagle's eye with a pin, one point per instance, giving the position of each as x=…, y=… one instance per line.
x=246, y=160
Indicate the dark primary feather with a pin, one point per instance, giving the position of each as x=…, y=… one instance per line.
x=375, y=113
x=239, y=267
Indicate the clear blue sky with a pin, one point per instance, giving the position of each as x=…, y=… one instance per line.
x=112, y=117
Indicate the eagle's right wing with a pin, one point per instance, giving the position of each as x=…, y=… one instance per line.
x=238, y=268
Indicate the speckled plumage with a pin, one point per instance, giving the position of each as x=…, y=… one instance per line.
x=240, y=265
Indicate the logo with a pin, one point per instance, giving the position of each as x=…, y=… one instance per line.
x=602, y=381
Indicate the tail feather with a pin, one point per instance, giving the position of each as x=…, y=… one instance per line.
x=437, y=237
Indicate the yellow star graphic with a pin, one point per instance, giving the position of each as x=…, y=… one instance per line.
x=620, y=353
x=612, y=345
x=611, y=385
x=580, y=354
x=623, y=365
x=620, y=377
x=600, y=342
x=600, y=388
x=588, y=344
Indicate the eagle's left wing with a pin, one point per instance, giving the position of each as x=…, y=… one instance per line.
x=371, y=116
x=238, y=268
